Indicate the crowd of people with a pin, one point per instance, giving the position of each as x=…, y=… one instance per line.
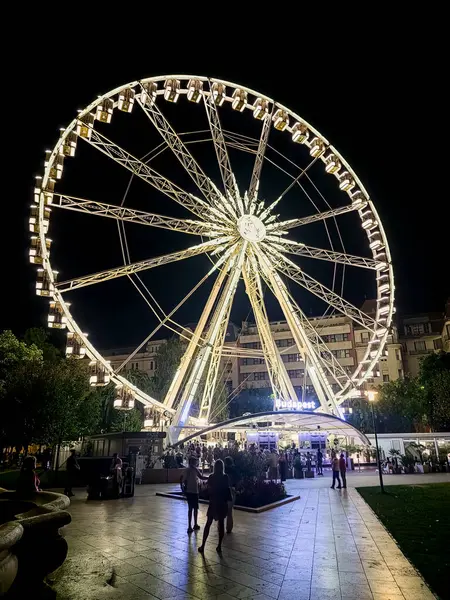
x=222, y=479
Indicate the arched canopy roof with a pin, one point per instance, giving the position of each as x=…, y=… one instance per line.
x=286, y=420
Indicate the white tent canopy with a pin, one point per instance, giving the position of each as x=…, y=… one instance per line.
x=286, y=420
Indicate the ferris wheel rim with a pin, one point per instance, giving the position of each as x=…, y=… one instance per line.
x=58, y=296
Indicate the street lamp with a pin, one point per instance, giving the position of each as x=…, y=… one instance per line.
x=371, y=396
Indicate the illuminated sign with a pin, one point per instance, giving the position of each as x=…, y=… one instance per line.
x=293, y=405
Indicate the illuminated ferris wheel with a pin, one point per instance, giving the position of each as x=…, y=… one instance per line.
x=238, y=225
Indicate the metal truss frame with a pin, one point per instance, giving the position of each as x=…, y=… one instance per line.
x=220, y=146
x=259, y=158
x=328, y=214
x=131, y=215
x=150, y=263
x=203, y=355
x=279, y=378
x=147, y=173
x=315, y=370
x=294, y=272
x=300, y=249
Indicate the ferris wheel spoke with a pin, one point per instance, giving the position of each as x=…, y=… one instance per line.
x=136, y=267
x=300, y=249
x=147, y=173
x=173, y=141
x=279, y=379
x=259, y=158
x=321, y=216
x=294, y=272
x=220, y=147
x=305, y=347
x=131, y=215
x=325, y=355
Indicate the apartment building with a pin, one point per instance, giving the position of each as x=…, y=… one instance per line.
x=144, y=360
x=417, y=336
x=420, y=335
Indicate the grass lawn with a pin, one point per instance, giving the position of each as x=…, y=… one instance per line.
x=418, y=516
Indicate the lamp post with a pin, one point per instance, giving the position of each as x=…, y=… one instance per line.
x=371, y=396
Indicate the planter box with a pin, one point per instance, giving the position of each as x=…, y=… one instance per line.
x=161, y=475
x=309, y=474
x=260, y=509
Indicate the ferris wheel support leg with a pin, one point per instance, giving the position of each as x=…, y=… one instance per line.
x=213, y=369
x=185, y=363
x=316, y=373
x=222, y=309
x=279, y=379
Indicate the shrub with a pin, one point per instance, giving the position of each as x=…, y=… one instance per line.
x=253, y=492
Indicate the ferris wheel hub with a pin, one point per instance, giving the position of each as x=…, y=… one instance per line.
x=251, y=228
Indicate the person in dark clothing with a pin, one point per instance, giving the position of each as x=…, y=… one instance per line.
x=343, y=470
x=72, y=468
x=319, y=463
x=28, y=482
x=219, y=496
x=282, y=464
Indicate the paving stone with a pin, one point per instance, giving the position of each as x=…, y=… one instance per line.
x=326, y=546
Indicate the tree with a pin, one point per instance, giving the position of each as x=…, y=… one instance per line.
x=19, y=365
x=168, y=359
x=434, y=378
x=251, y=401
x=40, y=338
x=111, y=419
x=401, y=406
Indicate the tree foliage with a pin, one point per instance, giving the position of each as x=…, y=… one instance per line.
x=412, y=404
x=168, y=359
x=111, y=419
x=251, y=401
x=49, y=401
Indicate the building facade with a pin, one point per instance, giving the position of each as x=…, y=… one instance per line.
x=420, y=335
x=243, y=365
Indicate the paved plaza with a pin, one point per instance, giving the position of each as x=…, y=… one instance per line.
x=328, y=545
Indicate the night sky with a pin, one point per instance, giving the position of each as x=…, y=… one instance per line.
x=370, y=108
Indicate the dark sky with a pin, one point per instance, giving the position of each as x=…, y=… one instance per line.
x=371, y=101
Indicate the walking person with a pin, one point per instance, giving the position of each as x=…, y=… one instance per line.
x=219, y=496
x=335, y=467
x=189, y=485
x=230, y=470
x=343, y=470
x=72, y=468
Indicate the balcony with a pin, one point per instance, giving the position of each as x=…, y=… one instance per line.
x=416, y=352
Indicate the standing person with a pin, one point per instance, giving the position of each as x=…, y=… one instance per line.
x=343, y=469
x=230, y=470
x=28, y=481
x=335, y=467
x=116, y=470
x=189, y=485
x=282, y=463
x=72, y=468
x=273, y=465
x=219, y=496
x=319, y=462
